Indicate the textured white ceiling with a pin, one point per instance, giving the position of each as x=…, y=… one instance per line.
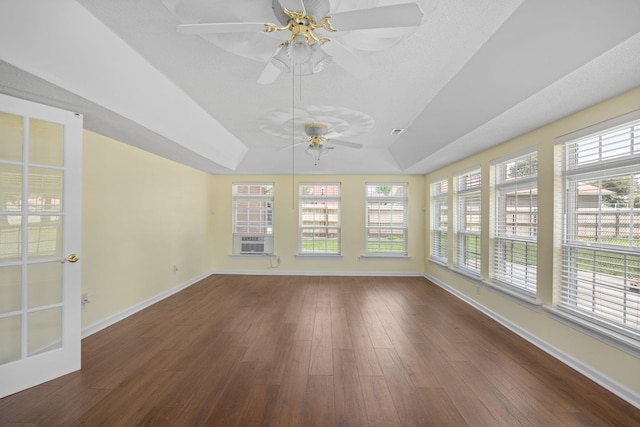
x=472, y=75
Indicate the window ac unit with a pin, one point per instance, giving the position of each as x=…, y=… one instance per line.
x=253, y=244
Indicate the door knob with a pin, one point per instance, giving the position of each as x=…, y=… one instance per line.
x=70, y=258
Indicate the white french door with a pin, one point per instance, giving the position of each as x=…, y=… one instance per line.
x=40, y=226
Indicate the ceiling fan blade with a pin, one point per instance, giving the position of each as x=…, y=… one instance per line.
x=290, y=146
x=269, y=74
x=317, y=9
x=222, y=27
x=345, y=143
x=292, y=5
x=393, y=16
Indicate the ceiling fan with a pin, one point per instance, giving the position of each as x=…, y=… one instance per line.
x=303, y=51
x=317, y=140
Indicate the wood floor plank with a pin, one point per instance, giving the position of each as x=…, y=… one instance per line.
x=376, y=330
x=275, y=366
x=291, y=396
x=454, y=385
x=229, y=407
x=349, y=400
x=321, y=348
x=502, y=409
x=306, y=320
x=516, y=384
x=319, y=404
x=247, y=350
x=441, y=410
x=259, y=409
x=363, y=349
x=379, y=405
x=404, y=394
x=340, y=336
x=160, y=417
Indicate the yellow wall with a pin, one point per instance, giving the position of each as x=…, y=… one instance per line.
x=142, y=215
x=610, y=362
x=286, y=227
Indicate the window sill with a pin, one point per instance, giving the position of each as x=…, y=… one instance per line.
x=441, y=263
x=467, y=273
x=254, y=256
x=379, y=257
x=319, y=256
x=516, y=295
x=608, y=336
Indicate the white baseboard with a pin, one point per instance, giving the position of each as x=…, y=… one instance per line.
x=276, y=272
x=92, y=329
x=613, y=386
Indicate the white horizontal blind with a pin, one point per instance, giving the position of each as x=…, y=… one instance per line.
x=386, y=218
x=319, y=218
x=253, y=208
x=601, y=235
x=514, y=255
x=469, y=214
x=439, y=220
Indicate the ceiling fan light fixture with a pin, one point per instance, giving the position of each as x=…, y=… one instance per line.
x=300, y=57
x=319, y=58
x=281, y=60
x=316, y=151
x=299, y=51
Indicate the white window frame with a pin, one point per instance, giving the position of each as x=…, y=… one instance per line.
x=599, y=273
x=514, y=230
x=316, y=193
x=257, y=202
x=439, y=192
x=396, y=232
x=468, y=233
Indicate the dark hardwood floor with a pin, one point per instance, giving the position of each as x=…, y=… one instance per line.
x=314, y=351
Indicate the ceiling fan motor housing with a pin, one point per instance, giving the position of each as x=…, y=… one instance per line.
x=316, y=129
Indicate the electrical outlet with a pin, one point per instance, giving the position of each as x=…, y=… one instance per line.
x=86, y=297
x=175, y=268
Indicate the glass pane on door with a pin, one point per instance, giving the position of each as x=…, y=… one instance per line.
x=10, y=288
x=44, y=330
x=10, y=331
x=10, y=201
x=44, y=236
x=46, y=140
x=44, y=284
x=45, y=189
x=11, y=137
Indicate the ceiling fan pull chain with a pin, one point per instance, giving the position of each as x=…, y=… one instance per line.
x=300, y=87
x=293, y=136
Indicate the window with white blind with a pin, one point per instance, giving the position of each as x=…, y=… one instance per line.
x=515, y=222
x=386, y=219
x=252, y=217
x=601, y=231
x=439, y=220
x=319, y=219
x=468, y=221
